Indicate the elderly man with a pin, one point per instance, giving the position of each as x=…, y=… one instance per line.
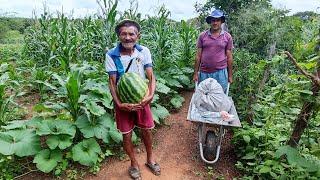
x=136, y=58
x=214, y=53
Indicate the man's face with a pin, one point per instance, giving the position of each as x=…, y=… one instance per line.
x=128, y=36
x=216, y=24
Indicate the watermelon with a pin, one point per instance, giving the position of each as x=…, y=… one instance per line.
x=131, y=88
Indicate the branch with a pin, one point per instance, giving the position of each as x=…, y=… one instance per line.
x=20, y=176
x=315, y=79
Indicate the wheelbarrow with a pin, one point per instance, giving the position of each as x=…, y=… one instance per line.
x=210, y=145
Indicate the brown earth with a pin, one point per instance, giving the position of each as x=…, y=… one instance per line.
x=176, y=150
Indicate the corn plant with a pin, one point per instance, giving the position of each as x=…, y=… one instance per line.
x=132, y=12
x=188, y=35
x=161, y=40
x=4, y=100
x=39, y=76
x=109, y=12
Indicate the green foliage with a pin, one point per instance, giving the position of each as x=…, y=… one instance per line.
x=231, y=7
x=86, y=152
x=159, y=112
x=162, y=36
x=55, y=127
x=47, y=160
x=62, y=141
x=19, y=142
x=99, y=127
x=4, y=102
x=188, y=35
x=10, y=52
x=257, y=28
x=12, y=29
x=294, y=158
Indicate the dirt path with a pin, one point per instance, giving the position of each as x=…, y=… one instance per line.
x=176, y=150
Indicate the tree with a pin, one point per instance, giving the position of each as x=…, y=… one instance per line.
x=309, y=108
x=230, y=7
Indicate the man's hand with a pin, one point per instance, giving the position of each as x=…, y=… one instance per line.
x=225, y=115
x=130, y=107
x=195, y=77
x=147, y=99
x=230, y=79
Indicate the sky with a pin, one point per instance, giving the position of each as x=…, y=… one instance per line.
x=180, y=9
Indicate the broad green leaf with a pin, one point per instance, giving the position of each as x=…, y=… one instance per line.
x=174, y=83
x=116, y=136
x=52, y=87
x=309, y=65
x=4, y=67
x=187, y=70
x=19, y=124
x=56, y=127
x=155, y=117
x=177, y=101
x=60, y=79
x=294, y=157
x=160, y=111
x=40, y=108
x=162, y=88
x=184, y=79
x=94, y=108
x=304, y=92
x=4, y=78
x=250, y=155
x=107, y=101
x=246, y=138
x=134, y=137
x=62, y=141
x=23, y=142
x=86, y=152
x=155, y=98
x=98, y=127
x=96, y=87
x=265, y=169
x=47, y=160
x=286, y=150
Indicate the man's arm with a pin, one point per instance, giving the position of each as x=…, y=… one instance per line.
x=197, y=64
x=151, y=86
x=229, y=62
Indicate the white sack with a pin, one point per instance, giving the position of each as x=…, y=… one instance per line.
x=209, y=96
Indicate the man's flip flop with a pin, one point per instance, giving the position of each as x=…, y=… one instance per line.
x=154, y=168
x=134, y=173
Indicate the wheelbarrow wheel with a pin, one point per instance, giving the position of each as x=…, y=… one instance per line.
x=210, y=146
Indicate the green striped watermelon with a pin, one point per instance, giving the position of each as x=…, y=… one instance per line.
x=131, y=88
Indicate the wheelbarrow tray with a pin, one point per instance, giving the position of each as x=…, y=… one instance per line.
x=195, y=116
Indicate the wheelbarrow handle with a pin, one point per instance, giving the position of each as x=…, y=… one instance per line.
x=228, y=87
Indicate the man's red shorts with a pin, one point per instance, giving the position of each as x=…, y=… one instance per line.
x=126, y=121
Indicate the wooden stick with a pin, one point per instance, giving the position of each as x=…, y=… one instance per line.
x=315, y=79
